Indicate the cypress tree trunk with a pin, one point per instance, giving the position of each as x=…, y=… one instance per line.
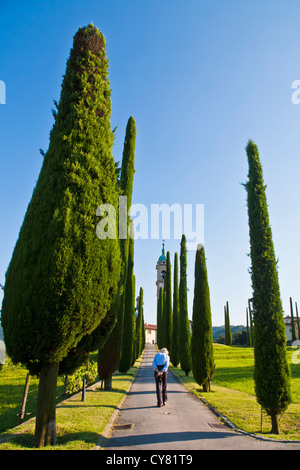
x=202, y=338
x=108, y=383
x=274, y=423
x=271, y=371
x=175, y=333
x=107, y=363
x=45, y=430
x=184, y=324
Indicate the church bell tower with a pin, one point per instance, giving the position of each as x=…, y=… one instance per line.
x=161, y=268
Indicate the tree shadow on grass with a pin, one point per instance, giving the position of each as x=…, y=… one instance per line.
x=20, y=440
x=25, y=440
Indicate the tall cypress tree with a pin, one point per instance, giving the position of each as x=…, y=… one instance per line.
x=249, y=338
x=160, y=316
x=167, y=307
x=62, y=279
x=143, y=331
x=175, y=332
x=294, y=337
x=251, y=321
x=140, y=324
x=202, y=338
x=127, y=341
x=114, y=341
x=271, y=371
x=133, y=333
x=228, y=335
x=184, y=324
x=298, y=322
x=225, y=326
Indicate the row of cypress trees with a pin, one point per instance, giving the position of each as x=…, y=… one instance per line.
x=118, y=352
x=193, y=351
x=64, y=291
x=173, y=326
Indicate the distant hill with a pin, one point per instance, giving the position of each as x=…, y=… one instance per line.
x=217, y=331
x=220, y=330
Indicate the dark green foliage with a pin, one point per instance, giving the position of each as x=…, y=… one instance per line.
x=251, y=321
x=143, y=332
x=249, y=336
x=292, y=321
x=62, y=279
x=202, y=339
x=167, y=308
x=219, y=333
x=140, y=325
x=133, y=333
x=127, y=341
x=114, y=341
x=228, y=336
x=271, y=372
x=298, y=321
x=127, y=172
x=175, y=333
x=184, y=324
x=160, y=316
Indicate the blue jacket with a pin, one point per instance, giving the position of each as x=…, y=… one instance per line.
x=161, y=359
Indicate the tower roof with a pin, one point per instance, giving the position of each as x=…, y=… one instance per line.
x=163, y=254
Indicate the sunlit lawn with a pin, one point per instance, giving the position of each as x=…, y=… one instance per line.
x=233, y=393
x=79, y=424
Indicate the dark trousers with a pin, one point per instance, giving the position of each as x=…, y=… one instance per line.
x=161, y=387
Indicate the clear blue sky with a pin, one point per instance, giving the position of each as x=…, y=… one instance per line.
x=200, y=78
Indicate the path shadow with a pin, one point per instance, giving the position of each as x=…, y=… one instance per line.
x=151, y=392
x=162, y=438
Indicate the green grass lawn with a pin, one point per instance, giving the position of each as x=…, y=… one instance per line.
x=12, y=383
x=233, y=393
x=79, y=425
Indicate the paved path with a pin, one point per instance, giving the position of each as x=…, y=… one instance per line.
x=184, y=424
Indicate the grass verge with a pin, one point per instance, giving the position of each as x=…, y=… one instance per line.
x=233, y=394
x=79, y=425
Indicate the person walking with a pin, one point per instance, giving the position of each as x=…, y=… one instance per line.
x=160, y=366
